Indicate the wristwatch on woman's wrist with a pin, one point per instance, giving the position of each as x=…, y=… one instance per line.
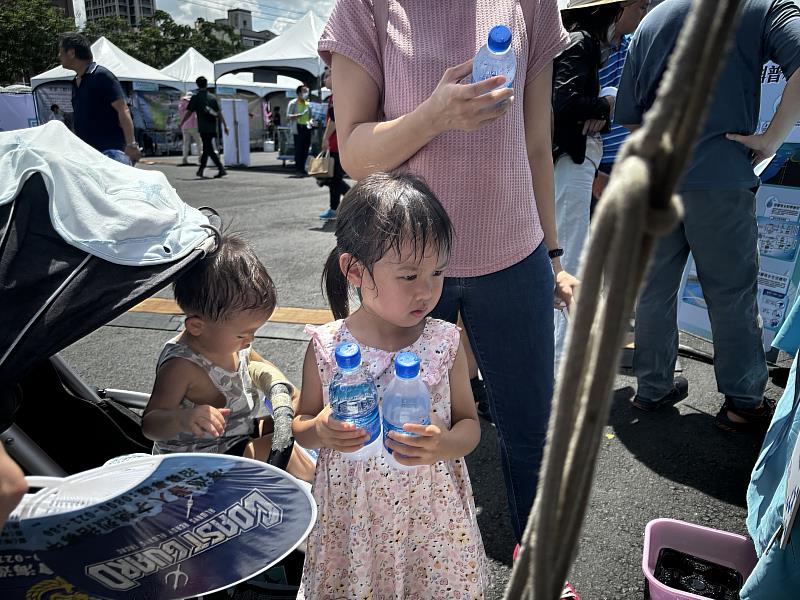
x=555, y=253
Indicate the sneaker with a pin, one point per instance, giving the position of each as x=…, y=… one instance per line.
x=200, y=173
x=328, y=214
x=679, y=391
x=222, y=173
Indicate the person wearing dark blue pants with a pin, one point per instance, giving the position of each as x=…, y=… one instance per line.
x=719, y=225
x=510, y=330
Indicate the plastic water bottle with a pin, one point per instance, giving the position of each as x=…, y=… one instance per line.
x=406, y=400
x=354, y=398
x=496, y=57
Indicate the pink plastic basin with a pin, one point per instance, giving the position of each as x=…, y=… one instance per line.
x=721, y=547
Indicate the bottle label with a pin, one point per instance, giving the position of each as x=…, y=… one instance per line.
x=369, y=422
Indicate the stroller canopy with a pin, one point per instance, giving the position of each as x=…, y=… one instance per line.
x=118, y=213
x=82, y=239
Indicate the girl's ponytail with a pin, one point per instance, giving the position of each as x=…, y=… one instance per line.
x=335, y=286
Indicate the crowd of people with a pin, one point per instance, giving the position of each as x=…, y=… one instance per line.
x=472, y=205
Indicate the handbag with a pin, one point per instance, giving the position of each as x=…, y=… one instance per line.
x=321, y=166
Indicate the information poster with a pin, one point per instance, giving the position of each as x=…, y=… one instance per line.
x=778, y=219
x=772, y=84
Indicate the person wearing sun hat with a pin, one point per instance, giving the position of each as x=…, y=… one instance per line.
x=581, y=112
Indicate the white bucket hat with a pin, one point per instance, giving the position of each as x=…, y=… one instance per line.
x=570, y=4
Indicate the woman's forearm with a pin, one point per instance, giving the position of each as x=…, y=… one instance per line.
x=373, y=147
x=541, y=163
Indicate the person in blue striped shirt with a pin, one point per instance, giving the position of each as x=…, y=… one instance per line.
x=610, y=74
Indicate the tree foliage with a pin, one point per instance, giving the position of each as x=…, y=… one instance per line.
x=160, y=40
x=29, y=31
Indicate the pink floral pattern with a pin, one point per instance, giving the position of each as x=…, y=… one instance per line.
x=384, y=533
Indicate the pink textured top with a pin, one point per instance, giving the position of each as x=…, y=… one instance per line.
x=482, y=177
x=191, y=122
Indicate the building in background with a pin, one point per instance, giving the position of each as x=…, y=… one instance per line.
x=242, y=23
x=66, y=6
x=132, y=11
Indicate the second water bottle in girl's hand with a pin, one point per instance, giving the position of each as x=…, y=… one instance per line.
x=496, y=57
x=354, y=398
x=406, y=400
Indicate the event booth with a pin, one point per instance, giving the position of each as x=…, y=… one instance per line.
x=152, y=95
x=294, y=54
x=258, y=96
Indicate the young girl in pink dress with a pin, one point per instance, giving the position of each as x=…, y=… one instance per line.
x=383, y=532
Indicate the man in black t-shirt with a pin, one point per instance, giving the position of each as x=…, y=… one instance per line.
x=101, y=117
x=205, y=105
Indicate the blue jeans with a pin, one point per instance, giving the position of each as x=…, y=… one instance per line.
x=719, y=228
x=118, y=155
x=508, y=316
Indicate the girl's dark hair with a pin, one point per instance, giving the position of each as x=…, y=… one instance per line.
x=75, y=41
x=231, y=280
x=595, y=20
x=382, y=212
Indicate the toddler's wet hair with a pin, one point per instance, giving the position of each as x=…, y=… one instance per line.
x=227, y=282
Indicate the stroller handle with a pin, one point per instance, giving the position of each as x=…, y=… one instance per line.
x=282, y=415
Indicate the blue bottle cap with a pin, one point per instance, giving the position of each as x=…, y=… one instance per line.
x=499, y=38
x=348, y=355
x=406, y=365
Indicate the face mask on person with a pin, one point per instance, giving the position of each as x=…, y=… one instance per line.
x=303, y=95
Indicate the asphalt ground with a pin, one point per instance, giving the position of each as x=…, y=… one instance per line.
x=674, y=463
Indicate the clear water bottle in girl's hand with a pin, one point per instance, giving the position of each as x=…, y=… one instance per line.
x=406, y=400
x=354, y=398
x=496, y=57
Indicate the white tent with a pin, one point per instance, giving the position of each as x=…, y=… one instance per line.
x=192, y=65
x=292, y=52
x=124, y=66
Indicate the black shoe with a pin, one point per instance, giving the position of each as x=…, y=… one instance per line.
x=754, y=419
x=679, y=391
x=481, y=399
x=200, y=173
x=222, y=173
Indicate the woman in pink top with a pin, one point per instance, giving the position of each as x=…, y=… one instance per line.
x=487, y=156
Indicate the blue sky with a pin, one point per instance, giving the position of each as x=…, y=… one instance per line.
x=267, y=14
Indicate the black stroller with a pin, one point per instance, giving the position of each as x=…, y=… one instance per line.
x=51, y=295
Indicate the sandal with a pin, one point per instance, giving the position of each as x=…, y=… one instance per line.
x=679, y=391
x=756, y=419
